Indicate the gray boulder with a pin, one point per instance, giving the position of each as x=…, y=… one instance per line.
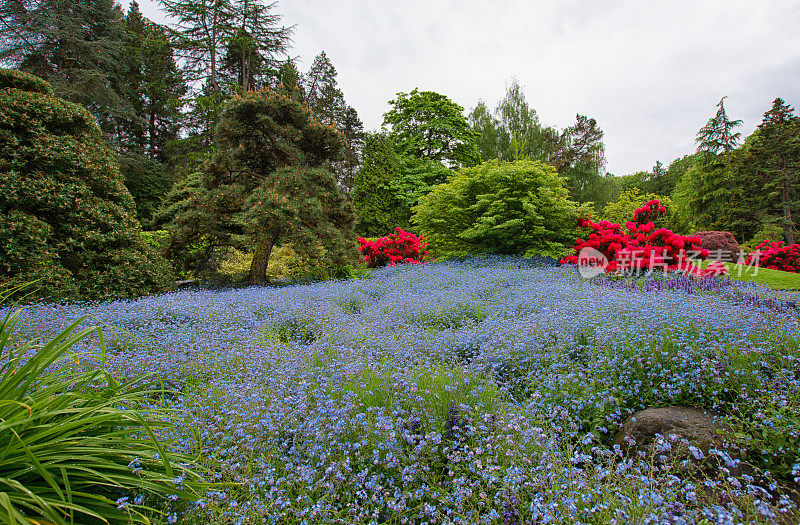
x=678, y=435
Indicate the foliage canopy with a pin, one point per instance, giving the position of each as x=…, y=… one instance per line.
x=520, y=207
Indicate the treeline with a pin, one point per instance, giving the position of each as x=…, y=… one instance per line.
x=749, y=187
x=157, y=92
x=230, y=153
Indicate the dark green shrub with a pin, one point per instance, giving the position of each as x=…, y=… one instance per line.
x=68, y=220
x=148, y=182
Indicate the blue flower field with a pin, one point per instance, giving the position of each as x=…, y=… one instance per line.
x=480, y=391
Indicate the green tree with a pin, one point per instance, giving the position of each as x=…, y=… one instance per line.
x=379, y=209
x=76, y=46
x=580, y=145
x=513, y=130
x=706, y=194
x=269, y=182
x=154, y=86
x=326, y=100
x=774, y=161
x=717, y=136
x=506, y=208
x=68, y=218
x=252, y=51
x=147, y=181
x=429, y=125
x=202, y=29
x=488, y=129
x=322, y=92
x=352, y=130
x=178, y=201
x=622, y=210
x=703, y=197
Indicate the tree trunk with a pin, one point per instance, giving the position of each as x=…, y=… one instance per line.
x=788, y=225
x=258, y=268
x=151, y=132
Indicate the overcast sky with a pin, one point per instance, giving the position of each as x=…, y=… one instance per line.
x=650, y=71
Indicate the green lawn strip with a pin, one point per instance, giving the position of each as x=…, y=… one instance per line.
x=775, y=279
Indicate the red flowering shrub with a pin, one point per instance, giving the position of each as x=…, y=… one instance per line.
x=400, y=246
x=776, y=256
x=641, y=246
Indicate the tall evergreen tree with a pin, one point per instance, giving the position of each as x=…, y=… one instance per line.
x=326, y=100
x=717, y=136
x=322, y=92
x=775, y=161
x=352, y=130
x=76, y=46
x=270, y=182
x=252, y=50
x=378, y=209
x=202, y=28
x=155, y=87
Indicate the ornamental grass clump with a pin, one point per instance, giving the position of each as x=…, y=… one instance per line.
x=75, y=447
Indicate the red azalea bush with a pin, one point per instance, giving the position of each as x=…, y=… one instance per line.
x=776, y=256
x=642, y=246
x=400, y=246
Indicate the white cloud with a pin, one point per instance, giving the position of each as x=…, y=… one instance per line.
x=650, y=72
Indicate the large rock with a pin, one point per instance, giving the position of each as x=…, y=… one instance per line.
x=723, y=245
x=680, y=427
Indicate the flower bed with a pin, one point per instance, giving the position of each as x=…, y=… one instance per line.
x=462, y=392
x=776, y=256
x=642, y=247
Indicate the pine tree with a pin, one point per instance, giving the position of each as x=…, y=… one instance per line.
x=326, y=100
x=580, y=144
x=323, y=95
x=352, y=130
x=269, y=182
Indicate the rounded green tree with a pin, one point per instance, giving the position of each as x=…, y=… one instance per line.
x=517, y=207
x=68, y=220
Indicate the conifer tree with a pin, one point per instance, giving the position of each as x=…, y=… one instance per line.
x=378, y=208
x=775, y=160
x=270, y=182
x=717, y=136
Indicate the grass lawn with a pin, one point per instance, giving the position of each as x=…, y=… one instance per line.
x=775, y=279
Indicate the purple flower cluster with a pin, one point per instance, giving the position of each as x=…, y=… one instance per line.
x=480, y=391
